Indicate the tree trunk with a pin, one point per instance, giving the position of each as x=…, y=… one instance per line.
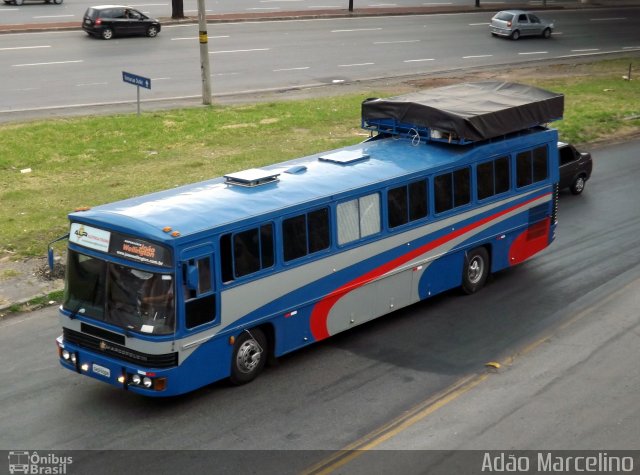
x=177, y=9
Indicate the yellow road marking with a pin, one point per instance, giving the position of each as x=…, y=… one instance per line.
x=432, y=404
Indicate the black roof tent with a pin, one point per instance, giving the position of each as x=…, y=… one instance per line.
x=465, y=112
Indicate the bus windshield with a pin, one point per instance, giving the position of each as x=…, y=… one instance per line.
x=129, y=298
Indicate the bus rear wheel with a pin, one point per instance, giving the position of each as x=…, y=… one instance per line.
x=475, y=271
x=249, y=356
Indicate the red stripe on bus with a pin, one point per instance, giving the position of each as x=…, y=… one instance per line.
x=320, y=312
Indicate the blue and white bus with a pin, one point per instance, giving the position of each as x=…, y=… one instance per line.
x=171, y=291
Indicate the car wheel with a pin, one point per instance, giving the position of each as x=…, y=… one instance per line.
x=475, y=270
x=107, y=34
x=546, y=33
x=152, y=31
x=578, y=185
x=18, y=2
x=57, y=2
x=515, y=35
x=249, y=356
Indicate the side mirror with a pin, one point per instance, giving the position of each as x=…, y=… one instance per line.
x=50, y=255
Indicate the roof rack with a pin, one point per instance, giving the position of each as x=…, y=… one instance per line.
x=463, y=113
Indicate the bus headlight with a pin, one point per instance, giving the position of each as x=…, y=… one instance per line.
x=147, y=382
x=135, y=379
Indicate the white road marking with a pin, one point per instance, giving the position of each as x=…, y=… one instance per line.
x=584, y=50
x=535, y=52
x=92, y=84
x=356, y=29
x=608, y=19
x=46, y=64
x=301, y=68
x=477, y=56
x=191, y=38
x=239, y=50
x=418, y=60
x=354, y=65
x=478, y=24
x=24, y=47
x=395, y=42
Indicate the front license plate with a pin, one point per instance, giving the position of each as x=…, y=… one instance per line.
x=101, y=370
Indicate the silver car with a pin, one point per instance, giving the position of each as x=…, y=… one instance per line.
x=516, y=23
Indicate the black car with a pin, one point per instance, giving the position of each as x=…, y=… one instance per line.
x=575, y=168
x=107, y=21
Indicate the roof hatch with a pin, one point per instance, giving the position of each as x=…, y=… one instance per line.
x=252, y=177
x=345, y=156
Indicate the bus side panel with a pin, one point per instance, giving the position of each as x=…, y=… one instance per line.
x=441, y=275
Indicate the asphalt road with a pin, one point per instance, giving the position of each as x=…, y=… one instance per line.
x=564, y=325
x=46, y=71
x=37, y=11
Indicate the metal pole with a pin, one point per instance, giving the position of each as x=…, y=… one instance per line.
x=138, y=94
x=205, y=70
x=350, y=5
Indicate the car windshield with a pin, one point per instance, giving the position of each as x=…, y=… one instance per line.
x=129, y=298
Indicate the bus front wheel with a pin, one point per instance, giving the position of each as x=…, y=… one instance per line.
x=249, y=356
x=476, y=270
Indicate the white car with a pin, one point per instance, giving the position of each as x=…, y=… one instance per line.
x=516, y=23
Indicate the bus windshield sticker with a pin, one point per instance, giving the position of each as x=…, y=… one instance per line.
x=90, y=237
x=139, y=250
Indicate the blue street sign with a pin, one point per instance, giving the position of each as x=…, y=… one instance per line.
x=136, y=80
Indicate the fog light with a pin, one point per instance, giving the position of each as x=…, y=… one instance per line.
x=147, y=382
x=65, y=355
x=85, y=367
x=74, y=359
x=135, y=379
x=121, y=379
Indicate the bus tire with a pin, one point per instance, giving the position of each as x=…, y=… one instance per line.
x=249, y=356
x=475, y=270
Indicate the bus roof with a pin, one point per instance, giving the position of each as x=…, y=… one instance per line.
x=196, y=207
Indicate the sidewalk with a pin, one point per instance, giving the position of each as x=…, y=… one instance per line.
x=24, y=280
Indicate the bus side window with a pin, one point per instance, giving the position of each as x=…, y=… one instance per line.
x=358, y=218
x=407, y=203
x=200, y=305
x=452, y=189
x=305, y=234
x=492, y=177
x=246, y=252
x=532, y=166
